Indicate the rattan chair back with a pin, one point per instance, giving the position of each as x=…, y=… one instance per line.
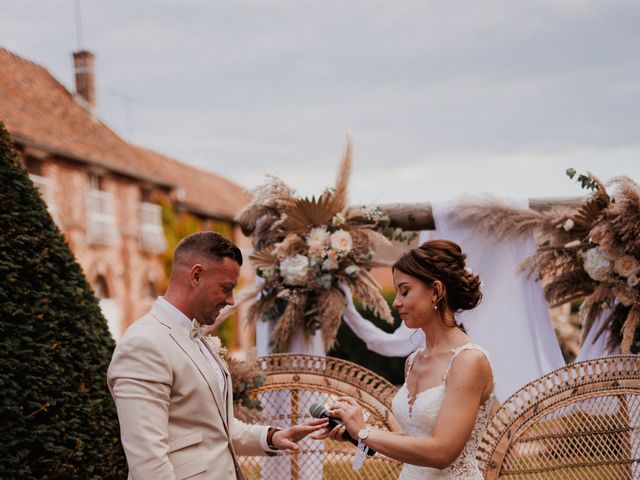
x=294, y=382
x=578, y=422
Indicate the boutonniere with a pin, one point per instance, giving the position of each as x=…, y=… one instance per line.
x=216, y=345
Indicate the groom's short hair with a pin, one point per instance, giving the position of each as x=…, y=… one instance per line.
x=210, y=244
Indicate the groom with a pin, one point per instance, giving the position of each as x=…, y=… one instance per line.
x=171, y=388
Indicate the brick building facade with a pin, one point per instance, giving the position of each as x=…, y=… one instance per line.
x=105, y=193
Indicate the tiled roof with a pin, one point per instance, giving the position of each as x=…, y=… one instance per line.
x=38, y=110
x=204, y=192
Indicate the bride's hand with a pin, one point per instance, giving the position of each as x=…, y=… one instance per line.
x=351, y=414
x=335, y=433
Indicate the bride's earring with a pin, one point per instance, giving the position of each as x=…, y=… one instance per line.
x=435, y=305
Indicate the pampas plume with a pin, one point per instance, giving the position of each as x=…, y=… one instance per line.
x=493, y=217
x=629, y=329
x=342, y=178
x=292, y=317
x=367, y=291
x=330, y=307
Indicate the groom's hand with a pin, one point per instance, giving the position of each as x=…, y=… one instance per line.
x=288, y=438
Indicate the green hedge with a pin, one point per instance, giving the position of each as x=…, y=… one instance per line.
x=58, y=420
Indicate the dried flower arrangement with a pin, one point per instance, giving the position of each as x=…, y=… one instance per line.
x=592, y=251
x=304, y=249
x=245, y=376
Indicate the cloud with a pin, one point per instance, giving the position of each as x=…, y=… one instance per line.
x=442, y=97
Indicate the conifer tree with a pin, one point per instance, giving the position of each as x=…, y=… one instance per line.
x=57, y=418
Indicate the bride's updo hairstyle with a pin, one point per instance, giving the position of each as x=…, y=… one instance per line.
x=443, y=260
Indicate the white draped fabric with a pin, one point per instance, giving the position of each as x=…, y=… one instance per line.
x=512, y=322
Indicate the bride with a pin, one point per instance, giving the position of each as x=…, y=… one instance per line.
x=447, y=397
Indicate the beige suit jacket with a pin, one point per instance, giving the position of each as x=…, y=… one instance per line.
x=174, y=421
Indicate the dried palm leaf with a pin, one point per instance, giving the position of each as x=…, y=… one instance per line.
x=590, y=212
x=342, y=178
x=263, y=259
x=629, y=328
x=291, y=319
x=306, y=213
x=330, y=307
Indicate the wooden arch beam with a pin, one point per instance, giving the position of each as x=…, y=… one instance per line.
x=419, y=216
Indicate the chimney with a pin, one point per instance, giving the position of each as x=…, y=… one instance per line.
x=85, y=81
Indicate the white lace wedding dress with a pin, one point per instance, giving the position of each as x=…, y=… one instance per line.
x=418, y=421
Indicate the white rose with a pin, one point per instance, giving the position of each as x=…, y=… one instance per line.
x=626, y=265
x=596, y=265
x=352, y=270
x=294, y=269
x=317, y=237
x=341, y=241
x=569, y=224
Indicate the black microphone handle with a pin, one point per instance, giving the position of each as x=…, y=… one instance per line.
x=334, y=422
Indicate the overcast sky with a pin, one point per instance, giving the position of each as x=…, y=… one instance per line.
x=441, y=97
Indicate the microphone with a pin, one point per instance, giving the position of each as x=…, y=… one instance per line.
x=317, y=410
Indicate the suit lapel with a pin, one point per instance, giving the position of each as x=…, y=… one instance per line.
x=227, y=376
x=192, y=351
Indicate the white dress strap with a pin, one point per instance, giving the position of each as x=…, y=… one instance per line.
x=462, y=348
x=410, y=360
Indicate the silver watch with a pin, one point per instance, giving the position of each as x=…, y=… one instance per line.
x=363, y=434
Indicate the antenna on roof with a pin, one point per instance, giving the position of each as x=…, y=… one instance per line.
x=78, y=25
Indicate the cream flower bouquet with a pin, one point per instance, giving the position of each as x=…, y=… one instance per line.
x=305, y=248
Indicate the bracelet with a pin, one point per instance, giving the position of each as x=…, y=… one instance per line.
x=360, y=456
x=270, y=433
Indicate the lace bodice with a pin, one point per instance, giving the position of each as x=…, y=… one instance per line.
x=420, y=418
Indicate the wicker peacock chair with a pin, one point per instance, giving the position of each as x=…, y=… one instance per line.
x=294, y=382
x=578, y=422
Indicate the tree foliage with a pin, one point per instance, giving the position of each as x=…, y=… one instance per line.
x=58, y=419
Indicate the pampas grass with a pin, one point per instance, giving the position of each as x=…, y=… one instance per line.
x=629, y=329
x=292, y=318
x=342, y=178
x=363, y=288
x=330, y=307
